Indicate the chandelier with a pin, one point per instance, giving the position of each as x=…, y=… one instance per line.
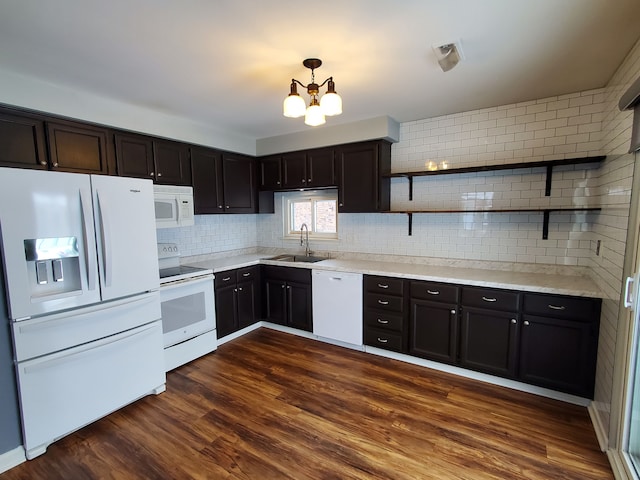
x=330, y=104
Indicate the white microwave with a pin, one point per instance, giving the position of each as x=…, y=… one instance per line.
x=173, y=206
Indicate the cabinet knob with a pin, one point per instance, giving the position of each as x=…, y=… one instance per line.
x=248, y=274
x=453, y=312
x=43, y=163
x=219, y=206
x=227, y=206
x=513, y=320
x=239, y=289
x=309, y=180
x=278, y=182
x=235, y=289
x=55, y=164
x=526, y=323
x=282, y=286
x=304, y=181
x=288, y=287
x=341, y=205
x=151, y=174
x=159, y=174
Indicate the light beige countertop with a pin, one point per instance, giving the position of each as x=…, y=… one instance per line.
x=555, y=283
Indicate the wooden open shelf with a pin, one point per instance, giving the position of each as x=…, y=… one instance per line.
x=548, y=164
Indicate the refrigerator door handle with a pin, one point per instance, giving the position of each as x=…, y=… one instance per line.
x=89, y=253
x=105, y=229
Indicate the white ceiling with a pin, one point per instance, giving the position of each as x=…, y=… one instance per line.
x=228, y=63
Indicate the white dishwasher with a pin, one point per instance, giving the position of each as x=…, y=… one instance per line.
x=337, y=306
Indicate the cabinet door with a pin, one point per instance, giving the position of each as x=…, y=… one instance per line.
x=434, y=331
x=206, y=173
x=270, y=173
x=173, y=166
x=275, y=295
x=134, y=156
x=321, y=170
x=238, y=174
x=78, y=148
x=489, y=341
x=559, y=354
x=294, y=167
x=360, y=186
x=246, y=303
x=299, y=306
x=226, y=318
x=22, y=142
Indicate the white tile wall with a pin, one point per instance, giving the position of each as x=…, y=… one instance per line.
x=213, y=234
x=614, y=192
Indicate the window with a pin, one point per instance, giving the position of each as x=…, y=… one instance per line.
x=317, y=209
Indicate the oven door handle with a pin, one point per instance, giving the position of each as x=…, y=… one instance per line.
x=191, y=281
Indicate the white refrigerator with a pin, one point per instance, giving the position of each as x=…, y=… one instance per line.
x=82, y=281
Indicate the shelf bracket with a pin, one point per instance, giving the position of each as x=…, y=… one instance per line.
x=410, y=215
x=545, y=225
x=410, y=189
x=547, y=189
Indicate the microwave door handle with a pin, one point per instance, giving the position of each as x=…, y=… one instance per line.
x=177, y=199
x=105, y=232
x=89, y=243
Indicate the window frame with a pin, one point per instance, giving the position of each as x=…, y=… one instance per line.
x=288, y=198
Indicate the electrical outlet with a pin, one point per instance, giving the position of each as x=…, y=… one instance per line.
x=598, y=246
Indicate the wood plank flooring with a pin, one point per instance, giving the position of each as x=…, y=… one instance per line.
x=275, y=406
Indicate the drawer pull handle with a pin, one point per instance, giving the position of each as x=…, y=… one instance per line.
x=382, y=340
x=383, y=322
x=557, y=307
x=433, y=292
x=246, y=274
x=487, y=299
x=382, y=285
x=226, y=279
x=383, y=302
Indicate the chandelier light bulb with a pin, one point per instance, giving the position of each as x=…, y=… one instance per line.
x=294, y=105
x=314, y=115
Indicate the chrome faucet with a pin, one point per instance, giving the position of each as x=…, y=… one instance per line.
x=303, y=241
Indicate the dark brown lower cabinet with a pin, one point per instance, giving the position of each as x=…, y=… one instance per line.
x=237, y=299
x=489, y=341
x=434, y=331
x=287, y=296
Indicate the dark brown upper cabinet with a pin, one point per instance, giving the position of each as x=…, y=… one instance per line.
x=239, y=184
x=206, y=170
x=22, y=142
x=303, y=169
x=76, y=147
x=360, y=168
x=163, y=161
x=223, y=182
x=270, y=173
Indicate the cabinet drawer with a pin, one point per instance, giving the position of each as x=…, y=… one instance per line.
x=384, y=302
x=247, y=273
x=386, y=285
x=225, y=278
x=383, y=320
x=435, y=292
x=577, y=308
x=288, y=274
x=490, y=298
x=383, y=339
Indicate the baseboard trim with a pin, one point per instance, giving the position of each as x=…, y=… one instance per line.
x=12, y=458
x=601, y=432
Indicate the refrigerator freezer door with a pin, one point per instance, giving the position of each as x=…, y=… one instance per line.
x=47, y=217
x=126, y=234
x=62, y=392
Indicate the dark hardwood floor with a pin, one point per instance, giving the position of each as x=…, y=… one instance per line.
x=275, y=406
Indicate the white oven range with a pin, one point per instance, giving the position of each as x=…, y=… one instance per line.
x=188, y=308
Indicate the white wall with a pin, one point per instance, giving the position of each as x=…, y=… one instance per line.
x=553, y=128
x=610, y=227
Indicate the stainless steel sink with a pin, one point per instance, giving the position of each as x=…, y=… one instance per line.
x=297, y=258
